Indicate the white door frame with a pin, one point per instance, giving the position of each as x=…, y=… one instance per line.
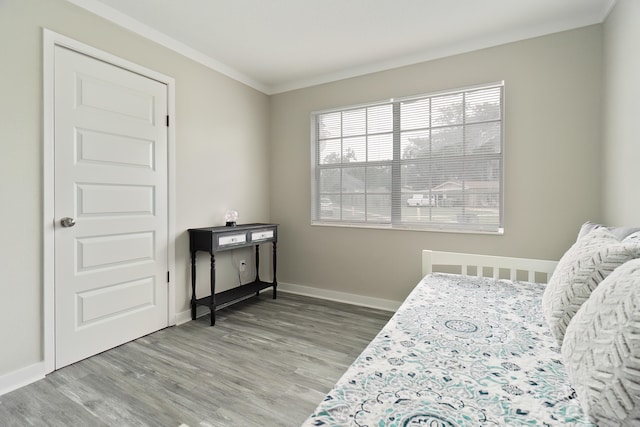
x=50, y=41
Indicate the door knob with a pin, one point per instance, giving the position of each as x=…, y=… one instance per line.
x=67, y=222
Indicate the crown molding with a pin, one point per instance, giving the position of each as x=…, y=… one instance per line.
x=156, y=36
x=129, y=23
x=450, y=50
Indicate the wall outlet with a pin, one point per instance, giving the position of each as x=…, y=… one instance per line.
x=243, y=265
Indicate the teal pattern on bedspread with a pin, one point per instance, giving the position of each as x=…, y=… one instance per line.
x=460, y=351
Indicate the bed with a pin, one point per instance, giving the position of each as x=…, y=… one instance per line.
x=466, y=348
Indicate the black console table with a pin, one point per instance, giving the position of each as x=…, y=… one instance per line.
x=216, y=239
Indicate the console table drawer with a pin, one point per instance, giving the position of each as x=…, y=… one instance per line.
x=232, y=239
x=262, y=235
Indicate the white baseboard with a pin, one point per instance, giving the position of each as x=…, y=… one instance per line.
x=20, y=378
x=364, y=301
x=185, y=316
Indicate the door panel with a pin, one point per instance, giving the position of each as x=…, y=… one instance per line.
x=114, y=251
x=115, y=300
x=111, y=97
x=114, y=199
x=100, y=147
x=111, y=177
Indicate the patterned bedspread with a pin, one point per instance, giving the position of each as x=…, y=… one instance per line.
x=460, y=351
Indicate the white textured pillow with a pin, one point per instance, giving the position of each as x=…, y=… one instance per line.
x=601, y=349
x=619, y=232
x=633, y=237
x=591, y=259
x=587, y=228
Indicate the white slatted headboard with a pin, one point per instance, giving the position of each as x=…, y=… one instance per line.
x=487, y=262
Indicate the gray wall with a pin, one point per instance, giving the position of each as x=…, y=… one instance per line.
x=552, y=166
x=621, y=149
x=221, y=156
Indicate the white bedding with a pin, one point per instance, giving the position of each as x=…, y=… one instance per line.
x=460, y=351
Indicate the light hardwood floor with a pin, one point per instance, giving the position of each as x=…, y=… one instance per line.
x=266, y=363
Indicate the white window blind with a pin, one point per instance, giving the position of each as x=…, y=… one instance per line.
x=425, y=162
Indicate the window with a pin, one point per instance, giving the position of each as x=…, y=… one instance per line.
x=427, y=162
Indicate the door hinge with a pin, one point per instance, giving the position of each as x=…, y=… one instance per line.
x=167, y=121
x=168, y=277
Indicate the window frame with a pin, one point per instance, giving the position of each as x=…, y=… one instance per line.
x=397, y=162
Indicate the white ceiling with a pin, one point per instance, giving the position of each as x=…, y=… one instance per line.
x=279, y=45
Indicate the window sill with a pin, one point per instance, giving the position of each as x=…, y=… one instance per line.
x=408, y=227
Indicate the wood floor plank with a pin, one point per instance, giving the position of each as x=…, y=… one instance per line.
x=265, y=363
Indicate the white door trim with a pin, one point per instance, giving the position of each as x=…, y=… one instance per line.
x=50, y=40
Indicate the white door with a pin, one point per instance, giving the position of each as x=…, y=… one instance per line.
x=110, y=144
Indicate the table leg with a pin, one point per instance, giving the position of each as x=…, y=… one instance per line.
x=193, y=285
x=212, y=303
x=257, y=268
x=275, y=281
